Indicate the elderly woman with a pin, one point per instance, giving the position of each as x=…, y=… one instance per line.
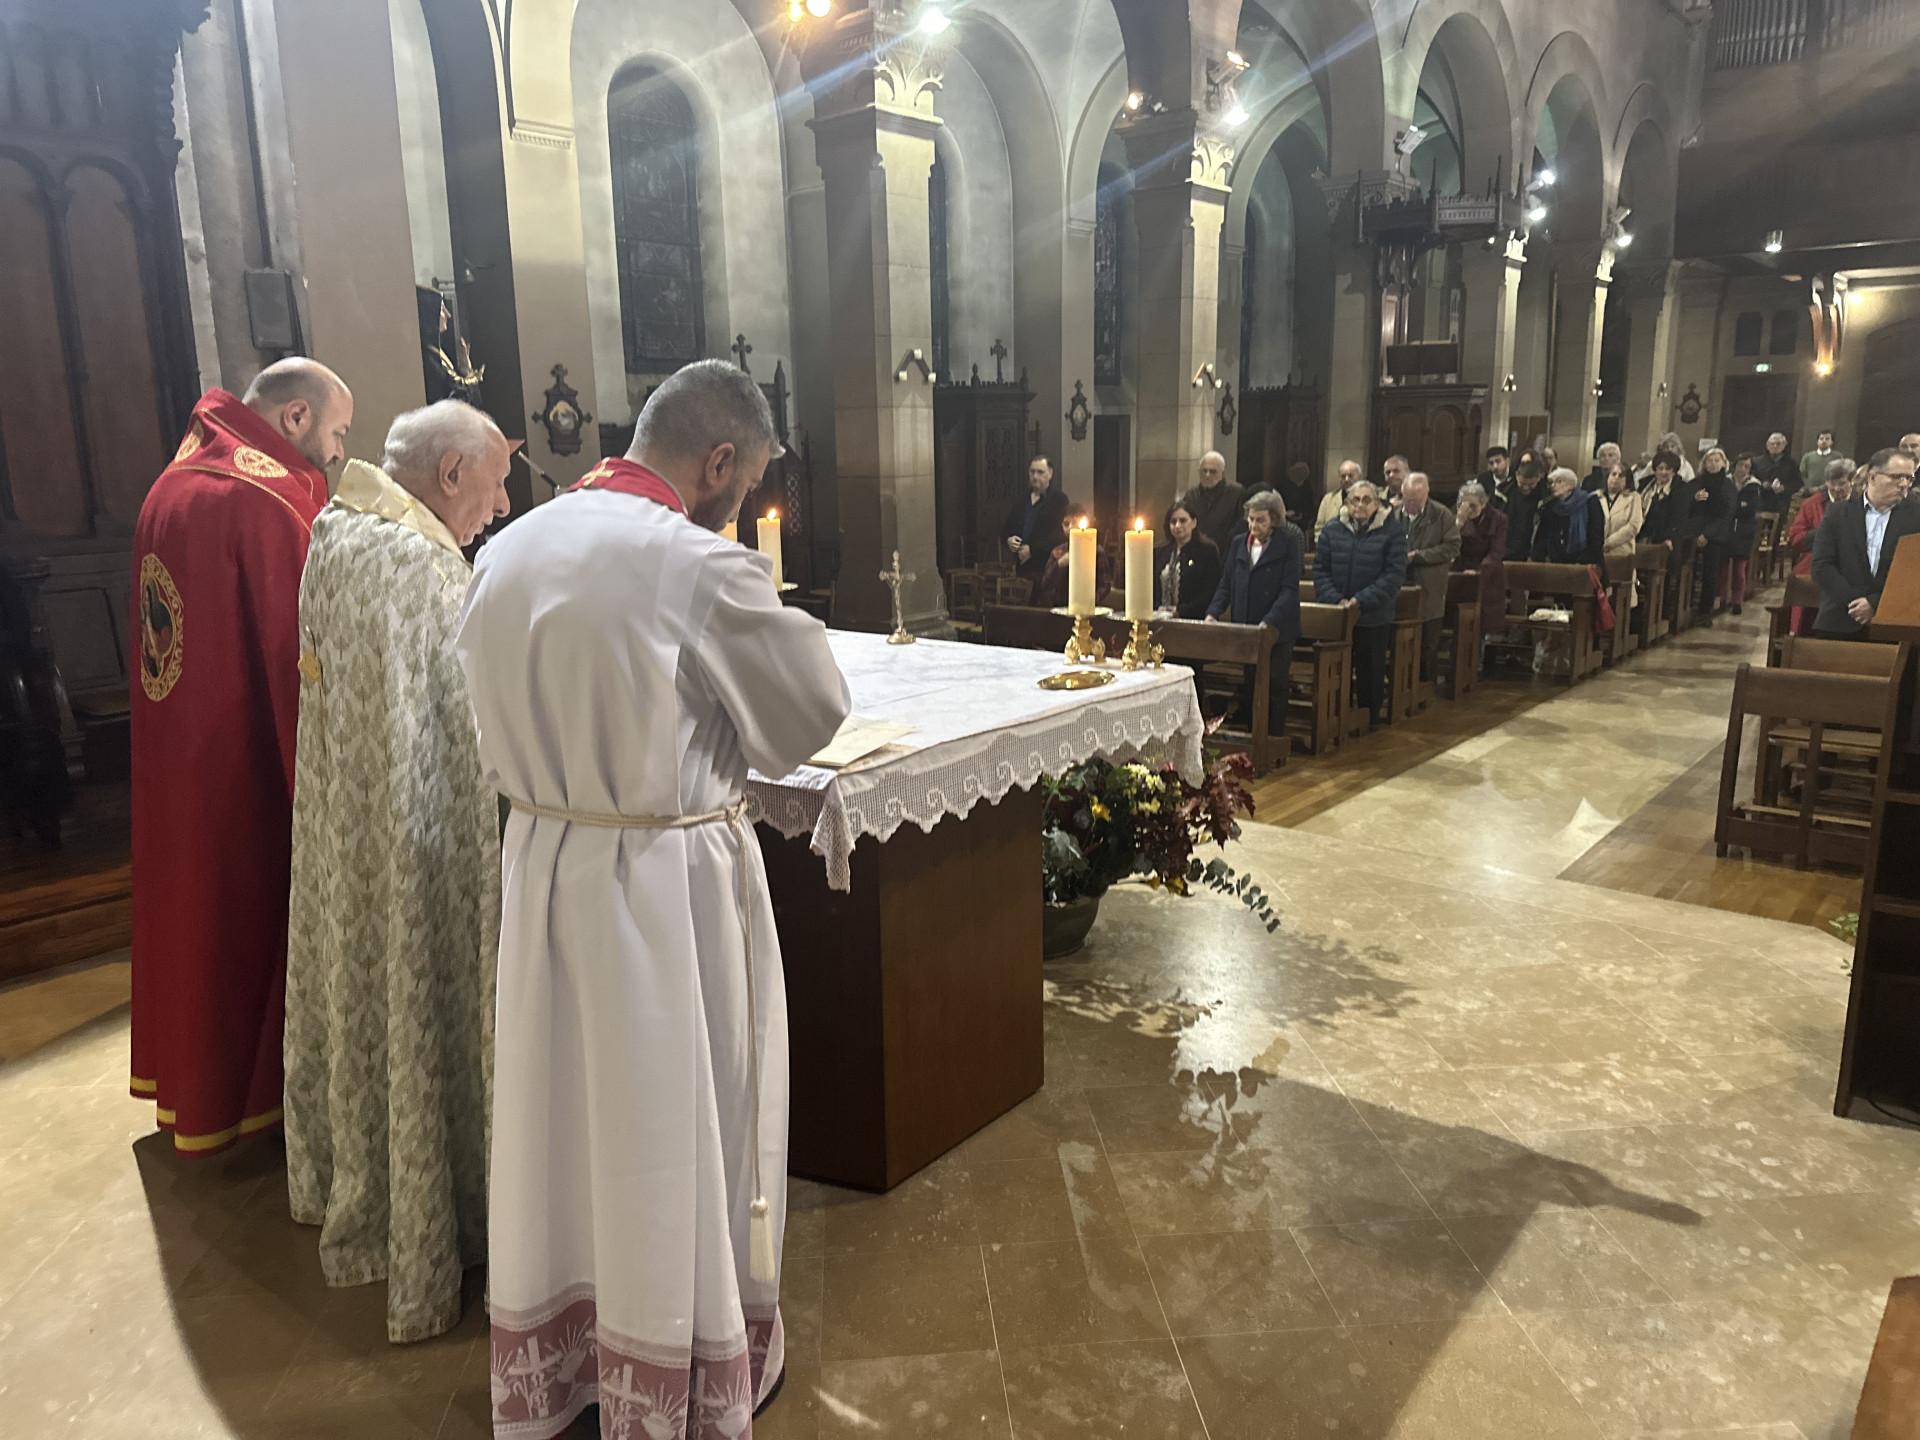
x=1187, y=571
x=1620, y=507
x=1483, y=550
x=1669, y=444
x=1260, y=585
x=1838, y=485
x=1572, y=528
x=1361, y=563
x=1749, y=501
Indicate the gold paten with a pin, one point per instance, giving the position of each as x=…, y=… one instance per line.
x=1077, y=680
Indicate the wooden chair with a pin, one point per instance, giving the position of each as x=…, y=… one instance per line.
x=1624, y=639
x=1765, y=555
x=1843, y=657
x=1406, y=692
x=1013, y=590
x=1460, y=635
x=966, y=602
x=1801, y=592
x=1650, y=615
x=1536, y=581
x=1195, y=643
x=1847, y=716
x=1321, y=677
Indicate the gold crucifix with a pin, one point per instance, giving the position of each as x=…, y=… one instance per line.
x=895, y=578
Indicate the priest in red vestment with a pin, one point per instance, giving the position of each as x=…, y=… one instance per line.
x=217, y=558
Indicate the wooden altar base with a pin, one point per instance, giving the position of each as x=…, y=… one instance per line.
x=913, y=1000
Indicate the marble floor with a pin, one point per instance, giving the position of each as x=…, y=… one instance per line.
x=1462, y=1151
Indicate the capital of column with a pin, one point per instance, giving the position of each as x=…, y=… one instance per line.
x=872, y=59
x=1175, y=148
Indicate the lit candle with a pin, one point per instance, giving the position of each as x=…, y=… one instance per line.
x=1083, y=551
x=769, y=535
x=1139, y=571
x=731, y=531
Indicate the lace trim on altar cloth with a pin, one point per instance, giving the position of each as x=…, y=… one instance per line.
x=551, y=1363
x=837, y=809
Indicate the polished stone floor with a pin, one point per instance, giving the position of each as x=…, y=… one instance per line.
x=1463, y=1151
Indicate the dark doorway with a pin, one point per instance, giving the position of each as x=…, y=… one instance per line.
x=1753, y=407
x=1113, y=472
x=1890, y=389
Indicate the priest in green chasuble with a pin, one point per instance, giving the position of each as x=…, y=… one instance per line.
x=395, y=912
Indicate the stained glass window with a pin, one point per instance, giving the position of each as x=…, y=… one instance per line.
x=656, y=222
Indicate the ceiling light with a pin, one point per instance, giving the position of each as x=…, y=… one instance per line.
x=1824, y=367
x=1623, y=240
x=1536, y=214
x=795, y=10
x=1135, y=100
x=932, y=22
x=819, y=8
x=1236, y=59
x=1775, y=241
x=1545, y=177
x=1237, y=115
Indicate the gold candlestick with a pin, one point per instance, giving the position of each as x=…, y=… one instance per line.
x=895, y=577
x=1141, y=652
x=1083, y=646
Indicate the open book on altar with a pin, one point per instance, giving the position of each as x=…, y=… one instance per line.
x=858, y=737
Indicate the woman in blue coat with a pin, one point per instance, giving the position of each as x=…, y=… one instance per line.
x=1260, y=585
x=1361, y=562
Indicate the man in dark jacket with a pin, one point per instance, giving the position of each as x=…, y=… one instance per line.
x=1361, y=563
x=1495, y=475
x=1778, y=474
x=1520, y=498
x=1853, y=548
x=1260, y=585
x=1216, y=502
x=1036, y=525
x=1433, y=544
x=1604, y=459
x=1703, y=524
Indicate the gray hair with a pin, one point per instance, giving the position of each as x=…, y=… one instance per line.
x=1562, y=472
x=1605, y=448
x=418, y=438
x=1414, y=475
x=1837, y=469
x=700, y=406
x=1369, y=485
x=1269, y=503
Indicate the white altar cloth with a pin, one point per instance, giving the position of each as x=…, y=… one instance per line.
x=982, y=726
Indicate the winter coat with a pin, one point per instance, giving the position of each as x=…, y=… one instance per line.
x=1783, y=469
x=1800, y=534
x=1550, y=542
x=1217, y=511
x=1625, y=516
x=1748, y=506
x=1435, y=535
x=1263, y=592
x=1367, y=565
x=1711, y=517
x=1199, y=577
x=1522, y=508
x=1483, y=547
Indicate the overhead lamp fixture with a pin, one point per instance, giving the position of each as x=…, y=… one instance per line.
x=1237, y=115
x=1776, y=241
x=1408, y=140
x=1623, y=240
x=1236, y=59
x=1543, y=179
x=1823, y=368
x=932, y=22
x=1536, y=214
x=1135, y=100
x=819, y=8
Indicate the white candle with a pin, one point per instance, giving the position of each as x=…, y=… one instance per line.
x=769, y=535
x=1139, y=571
x=1083, y=551
x=731, y=531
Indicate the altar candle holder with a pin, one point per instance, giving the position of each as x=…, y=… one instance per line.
x=1082, y=646
x=1141, y=653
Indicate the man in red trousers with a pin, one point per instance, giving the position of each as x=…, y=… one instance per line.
x=217, y=558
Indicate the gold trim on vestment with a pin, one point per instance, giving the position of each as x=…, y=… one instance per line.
x=305, y=523
x=142, y=1087
x=368, y=490
x=194, y=1144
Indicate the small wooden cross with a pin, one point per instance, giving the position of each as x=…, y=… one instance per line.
x=895, y=578
x=742, y=349
x=999, y=352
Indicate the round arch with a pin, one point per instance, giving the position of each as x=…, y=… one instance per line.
x=1473, y=42
x=1647, y=183
x=1566, y=67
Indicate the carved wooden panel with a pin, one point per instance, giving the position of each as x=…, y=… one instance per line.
x=656, y=220
x=122, y=410
x=1437, y=427
x=44, y=484
x=1279, y=425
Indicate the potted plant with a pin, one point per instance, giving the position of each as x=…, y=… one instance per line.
x=1105, y=823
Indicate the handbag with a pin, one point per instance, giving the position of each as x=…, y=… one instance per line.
x=1603, y=603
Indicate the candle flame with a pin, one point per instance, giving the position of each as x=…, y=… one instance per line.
x=773, y=514
x=1139, y=523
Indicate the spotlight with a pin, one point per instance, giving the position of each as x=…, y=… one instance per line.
x=1409, y=140
x=819, y=8
x=1236, y=59
x=1544, y=178
x=795, y=10
x=932, y=22
x=1536, y=214
x=1135, y=100
x=1824, y=367
x=1622, y=240
x=1775, y=242
x=1237, y=115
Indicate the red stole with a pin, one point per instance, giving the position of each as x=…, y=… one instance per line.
x=630, y=478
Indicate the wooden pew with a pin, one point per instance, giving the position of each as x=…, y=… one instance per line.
x=1460, y=634
x=1539, y=581
x=1406, y=692
x=1650, y=615
x=1187, y=642
x=1322, y=677
x=1620, y=641
x=1681, y=619
x=1800, y=593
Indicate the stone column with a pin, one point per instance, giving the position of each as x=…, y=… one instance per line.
x=1180, y=203
x=1649, y=292
x=873, y=82
x=1493, y=305
x=1586, y=272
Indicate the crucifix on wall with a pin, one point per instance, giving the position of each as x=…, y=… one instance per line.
x=741, y=349
x=999, y=352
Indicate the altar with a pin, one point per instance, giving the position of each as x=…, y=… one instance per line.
x=906, y=887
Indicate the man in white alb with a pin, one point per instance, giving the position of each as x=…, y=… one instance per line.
x=627, y=666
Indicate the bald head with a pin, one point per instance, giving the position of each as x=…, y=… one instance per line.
x=1413, y=492
x=309, y=405
x=454, y=460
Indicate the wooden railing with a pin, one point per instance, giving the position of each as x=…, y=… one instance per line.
x=1749, y=33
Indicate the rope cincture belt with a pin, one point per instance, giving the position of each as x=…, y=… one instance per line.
x=761, y=1262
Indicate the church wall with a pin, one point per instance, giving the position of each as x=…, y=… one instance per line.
x=422, y=153
x=980, y=226
x=710, y=53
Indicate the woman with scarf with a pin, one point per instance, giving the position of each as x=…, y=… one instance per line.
x=1573, y=527
x=1187, y=572
x=1483, y=551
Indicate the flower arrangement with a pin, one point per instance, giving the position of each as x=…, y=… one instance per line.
x=1105, y=823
